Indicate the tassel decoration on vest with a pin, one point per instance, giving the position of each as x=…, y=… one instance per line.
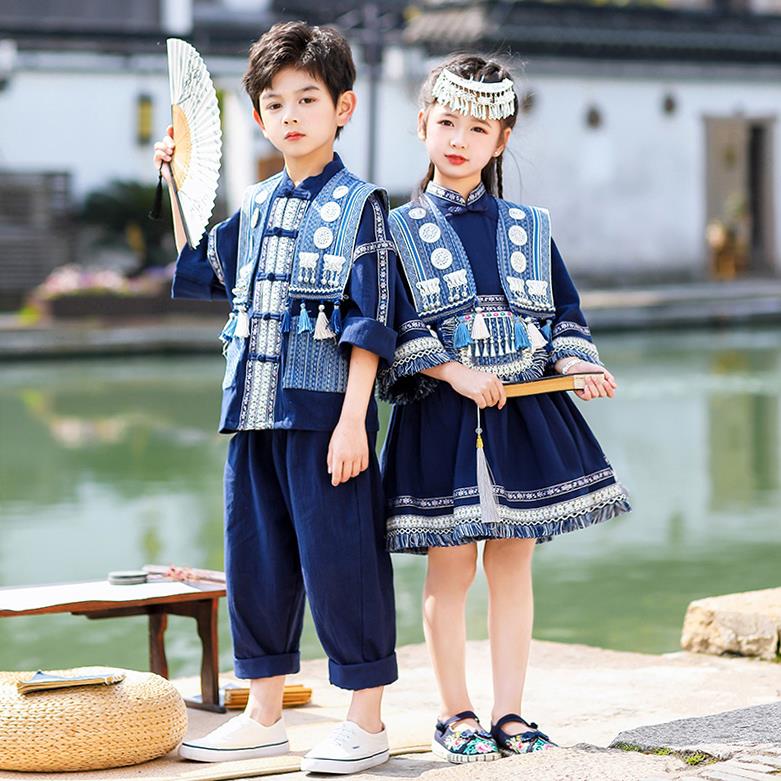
x=336, y=320
x=521, y=336
x=461, y=337
x=547, y=332
x=242, y=325
x=304, y=323
x=229, y=329
x=286, y=322
x=538, y=341
x=322, y=329
x=489, y=511
x=479, y=328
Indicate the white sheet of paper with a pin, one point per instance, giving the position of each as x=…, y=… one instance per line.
x=17, y=600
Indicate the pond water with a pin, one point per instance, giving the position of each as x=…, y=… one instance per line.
x=112, y=463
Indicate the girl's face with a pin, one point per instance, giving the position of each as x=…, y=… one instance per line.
x=460, y=146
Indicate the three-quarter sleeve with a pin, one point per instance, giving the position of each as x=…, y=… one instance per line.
x=208, y=272
x=570, y=334
x=367, y=316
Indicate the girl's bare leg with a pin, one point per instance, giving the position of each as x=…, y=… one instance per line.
x=448, y=578
x=508, y=569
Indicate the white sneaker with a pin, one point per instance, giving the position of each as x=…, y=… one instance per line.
x=348, y=749
x=239, y=738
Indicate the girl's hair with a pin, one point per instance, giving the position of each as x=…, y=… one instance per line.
x=470, y=66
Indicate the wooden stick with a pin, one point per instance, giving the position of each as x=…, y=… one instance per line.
x=561, y=382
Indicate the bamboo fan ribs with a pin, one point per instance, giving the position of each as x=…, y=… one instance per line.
x=198, y=137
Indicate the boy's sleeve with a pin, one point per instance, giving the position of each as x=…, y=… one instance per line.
x=367, y=315
x=208, y=272
x=570, y=333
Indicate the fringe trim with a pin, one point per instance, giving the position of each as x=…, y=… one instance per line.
x=574, y=346
x=419, y=541
x=401, y=382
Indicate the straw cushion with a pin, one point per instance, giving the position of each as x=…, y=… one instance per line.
x=90, y=727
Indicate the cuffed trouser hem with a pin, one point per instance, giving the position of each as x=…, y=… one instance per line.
x=267, y=666
x=365, y=675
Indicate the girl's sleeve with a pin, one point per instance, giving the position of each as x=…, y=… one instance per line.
x=208, y=272
x=570, y=334
x=366, y=308
x=417, y=348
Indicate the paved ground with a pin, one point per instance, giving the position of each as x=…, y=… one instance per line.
x=584, y=698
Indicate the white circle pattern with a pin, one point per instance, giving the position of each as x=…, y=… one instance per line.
x=323, y=237
x=517, y=235
x=430, y=232
x=341, y=191
x=518, y=261
x=441, y=258
x=517, y=214
x=330, y=211
x=417, y=213
x=255, y=217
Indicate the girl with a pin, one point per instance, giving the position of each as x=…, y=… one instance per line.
x=488, y=280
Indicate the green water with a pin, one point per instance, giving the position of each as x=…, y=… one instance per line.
x=108, y=464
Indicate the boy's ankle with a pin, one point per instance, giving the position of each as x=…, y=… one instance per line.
x=264, y=716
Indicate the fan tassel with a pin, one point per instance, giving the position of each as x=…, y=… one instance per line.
x=489, y=511
x=157, y=205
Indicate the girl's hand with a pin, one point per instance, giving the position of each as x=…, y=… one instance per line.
x=485, y=389
x=164, y=153
x=348, y=451
x=596, y=387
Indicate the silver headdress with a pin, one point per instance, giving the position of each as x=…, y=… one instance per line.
x=480, y=99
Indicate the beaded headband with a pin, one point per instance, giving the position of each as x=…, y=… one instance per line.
x=480, y=99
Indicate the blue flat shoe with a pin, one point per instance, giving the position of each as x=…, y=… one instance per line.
x=458, y=743
x=523, y=743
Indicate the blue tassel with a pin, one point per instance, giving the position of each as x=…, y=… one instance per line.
x=461, y=338
x=229, y=329
x=304, y=323
x=286, y=322
x=546, y=331
x=336, y=320
x=521, y=337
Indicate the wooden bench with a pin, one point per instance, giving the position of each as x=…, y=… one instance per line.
x=158, y=599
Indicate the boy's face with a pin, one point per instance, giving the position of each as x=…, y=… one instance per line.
x=460, y=145
x=297, y=114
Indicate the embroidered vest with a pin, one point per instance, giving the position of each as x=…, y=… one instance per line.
x=324, y=247
x=439, y=272
x=443, y=287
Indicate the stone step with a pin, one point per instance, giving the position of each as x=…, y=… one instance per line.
x=748, y=624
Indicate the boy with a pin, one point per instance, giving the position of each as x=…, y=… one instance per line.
x=307, y=267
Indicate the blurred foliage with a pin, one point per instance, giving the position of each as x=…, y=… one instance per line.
x=120, y=212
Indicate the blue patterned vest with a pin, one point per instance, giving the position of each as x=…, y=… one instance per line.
x=481, y=331
x=317, y=271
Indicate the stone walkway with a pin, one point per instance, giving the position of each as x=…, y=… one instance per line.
x=587, y=698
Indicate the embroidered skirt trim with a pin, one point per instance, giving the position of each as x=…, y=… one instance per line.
x=415, y=533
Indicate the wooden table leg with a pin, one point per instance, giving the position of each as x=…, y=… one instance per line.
x=204, y=611
x=158, y=623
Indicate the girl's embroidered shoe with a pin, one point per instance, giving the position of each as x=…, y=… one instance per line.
x=525, y=742
x=459, y=743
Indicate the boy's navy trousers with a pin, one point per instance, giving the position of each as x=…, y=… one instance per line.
x=290, y=533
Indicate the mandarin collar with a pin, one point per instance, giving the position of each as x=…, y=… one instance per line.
x=446, y=194
x=310, y=187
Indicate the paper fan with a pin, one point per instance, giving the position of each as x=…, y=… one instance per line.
x=196, y=120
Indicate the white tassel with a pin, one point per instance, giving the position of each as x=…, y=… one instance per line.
x=479, y=328
x=489, y=511
x=242, y=325
x=322, y=328
x=536, y=339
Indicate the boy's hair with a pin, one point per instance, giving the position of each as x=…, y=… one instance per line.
x=323, y=52
x=471, y=66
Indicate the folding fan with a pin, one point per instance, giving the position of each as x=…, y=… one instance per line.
x=198, y=137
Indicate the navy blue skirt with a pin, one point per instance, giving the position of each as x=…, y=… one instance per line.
x=550, y=474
